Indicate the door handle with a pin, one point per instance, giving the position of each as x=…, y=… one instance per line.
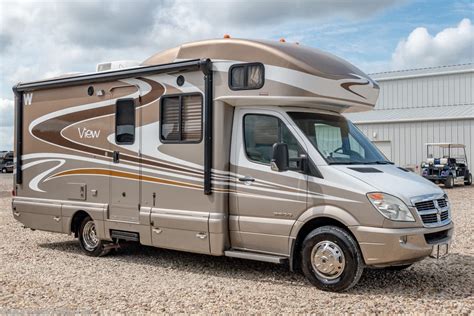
x=116, y=156
x=247, y=179
x=201, y=235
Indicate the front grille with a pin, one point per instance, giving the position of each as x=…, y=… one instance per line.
x=425, y=205
x=429, y=218
x=444, y=215
x=433, y=212
x=442, y=203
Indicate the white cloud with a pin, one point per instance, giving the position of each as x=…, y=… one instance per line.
x=450, y=46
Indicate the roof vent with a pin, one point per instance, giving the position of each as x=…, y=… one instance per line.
x=116, y=65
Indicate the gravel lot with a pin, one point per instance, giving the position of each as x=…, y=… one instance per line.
x=47, y=273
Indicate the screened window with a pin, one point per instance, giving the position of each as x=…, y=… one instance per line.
x=125, y=121
x=246, y=76
x=261, y=132
x=181, y=118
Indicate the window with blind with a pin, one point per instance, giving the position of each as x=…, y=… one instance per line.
x=246, y=76
x=181, y=118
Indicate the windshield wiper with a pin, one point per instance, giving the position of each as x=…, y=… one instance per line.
x=378, y=162
x=346, y=163
x=384, y=162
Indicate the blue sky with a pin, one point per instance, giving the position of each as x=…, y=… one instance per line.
x=46, y=38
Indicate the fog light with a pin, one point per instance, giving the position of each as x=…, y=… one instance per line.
x=403, y=239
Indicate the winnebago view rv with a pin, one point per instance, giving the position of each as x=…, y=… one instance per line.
x=225, y=147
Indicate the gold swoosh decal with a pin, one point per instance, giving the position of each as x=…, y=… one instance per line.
x=347, y=86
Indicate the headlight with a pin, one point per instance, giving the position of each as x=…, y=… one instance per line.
x=391, y=207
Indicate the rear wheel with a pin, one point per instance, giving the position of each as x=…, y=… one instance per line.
x=4, y=170
x=468, y=181
x=90, y=242
x=449, y=182
x=331, y=259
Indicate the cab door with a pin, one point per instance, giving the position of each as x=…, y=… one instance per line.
x=267, y=201
x=125, y=167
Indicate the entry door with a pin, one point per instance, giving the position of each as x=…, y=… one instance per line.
x=125, y=166
x=267, y=201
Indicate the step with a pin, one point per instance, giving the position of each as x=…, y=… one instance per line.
x=124, y=235
x=255, y=256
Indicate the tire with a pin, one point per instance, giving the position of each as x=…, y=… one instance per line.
x=468, y=181
x=90, y=243
x=338, y=256
x=449, y=182
x=399, y=268
x=4, y=170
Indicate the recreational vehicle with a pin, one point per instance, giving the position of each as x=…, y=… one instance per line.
x=225, y=147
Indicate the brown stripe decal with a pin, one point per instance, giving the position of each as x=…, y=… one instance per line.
x=130, y=176
x=125, y=175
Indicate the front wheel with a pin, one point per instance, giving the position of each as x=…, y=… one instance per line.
x=331, y=259
x=449, y=182
x=90, y=242
x=468, y=181
x=4, y=170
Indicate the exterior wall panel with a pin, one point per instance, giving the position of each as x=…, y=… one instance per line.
x=436, y=90
x=408, y=139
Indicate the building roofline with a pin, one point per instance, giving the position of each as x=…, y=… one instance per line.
x=423, y=72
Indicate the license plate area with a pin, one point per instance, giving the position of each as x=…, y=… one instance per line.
x=440, y=250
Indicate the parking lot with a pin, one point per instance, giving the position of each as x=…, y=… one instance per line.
x=46, y=272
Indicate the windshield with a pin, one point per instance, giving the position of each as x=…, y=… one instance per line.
x=337, y=140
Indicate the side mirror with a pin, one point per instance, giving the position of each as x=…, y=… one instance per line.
x=280, y=161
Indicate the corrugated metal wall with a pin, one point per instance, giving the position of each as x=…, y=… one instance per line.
x=408, y=138
x=438, y=90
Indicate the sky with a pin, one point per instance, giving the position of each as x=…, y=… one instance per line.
x=44, y=38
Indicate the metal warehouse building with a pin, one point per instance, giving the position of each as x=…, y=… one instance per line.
x=421, y=106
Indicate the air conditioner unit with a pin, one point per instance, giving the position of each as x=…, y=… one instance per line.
x=116, y=65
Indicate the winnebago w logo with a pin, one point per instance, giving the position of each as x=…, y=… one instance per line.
x=87, y=133
x=27, y=98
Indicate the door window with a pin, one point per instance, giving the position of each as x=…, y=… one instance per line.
x=261, y=132
x=125, y=121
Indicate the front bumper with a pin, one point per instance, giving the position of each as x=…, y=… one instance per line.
x=393, y=246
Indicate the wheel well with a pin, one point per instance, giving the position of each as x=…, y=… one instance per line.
x=76, y=222
x=305, y=230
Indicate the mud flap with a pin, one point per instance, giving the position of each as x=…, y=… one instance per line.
x=439, y=251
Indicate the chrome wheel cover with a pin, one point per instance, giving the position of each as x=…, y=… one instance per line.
x=328, y=260
x=89, y=236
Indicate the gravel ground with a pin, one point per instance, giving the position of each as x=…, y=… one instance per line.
x=47, y=273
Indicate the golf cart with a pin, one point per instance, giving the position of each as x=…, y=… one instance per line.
x=451, y=166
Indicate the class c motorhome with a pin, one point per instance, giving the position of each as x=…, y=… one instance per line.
x=225, y=147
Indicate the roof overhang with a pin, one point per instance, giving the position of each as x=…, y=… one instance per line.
x=319, y=103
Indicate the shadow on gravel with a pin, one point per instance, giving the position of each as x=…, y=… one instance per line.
x=448, y=278
x=427, y=279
